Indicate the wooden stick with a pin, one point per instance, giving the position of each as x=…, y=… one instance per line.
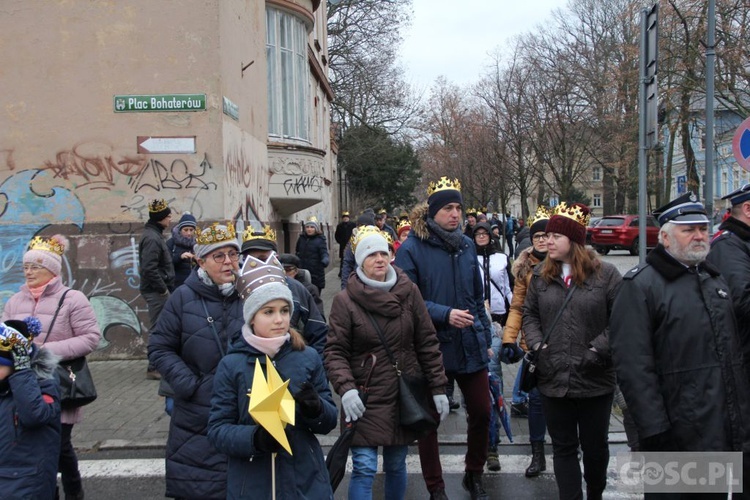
x=273, y=475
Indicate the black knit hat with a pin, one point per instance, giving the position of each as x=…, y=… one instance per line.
x=158, y=210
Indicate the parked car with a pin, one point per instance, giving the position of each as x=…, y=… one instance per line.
x=620, y=232
x=592, y=223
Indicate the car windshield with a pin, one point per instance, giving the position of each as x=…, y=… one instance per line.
x=611, y=221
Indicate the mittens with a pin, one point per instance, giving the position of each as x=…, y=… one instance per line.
x=21, y=356
x=510, y=353
x=308, y=401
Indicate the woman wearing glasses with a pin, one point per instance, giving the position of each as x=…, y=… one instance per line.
x=74, y=333
x=191, y=336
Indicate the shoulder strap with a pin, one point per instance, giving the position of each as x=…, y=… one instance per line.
x=382, y=339
x=54, y=318
x=210, y=320
x=557, y=318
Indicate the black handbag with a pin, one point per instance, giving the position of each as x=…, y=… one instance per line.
x=415, y=403
x=528, y=365
x=76, y=383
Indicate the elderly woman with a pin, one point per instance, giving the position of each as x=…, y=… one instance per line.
x=75, y=332
x=382, y=294
x=566, y=320
x=192, y=335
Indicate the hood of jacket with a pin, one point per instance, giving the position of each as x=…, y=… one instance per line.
x=524, y=264
x=418, y=220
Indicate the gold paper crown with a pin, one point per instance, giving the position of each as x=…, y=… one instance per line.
x=471, y=211
x=575, y=213
x=402, y=224
x=267, y=234
x=382, y=211
x=215, y=234
x=10, y=337
x=443, y=184
x=47, y=245
x=157, y=206
x=311, y=220
x=542, y=213
x=365, y=231
x=345, y=213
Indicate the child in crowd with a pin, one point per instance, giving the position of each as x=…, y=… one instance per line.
x=30, y=412
x=267, y=310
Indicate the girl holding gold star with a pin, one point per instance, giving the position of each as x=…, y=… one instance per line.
x=243, y=425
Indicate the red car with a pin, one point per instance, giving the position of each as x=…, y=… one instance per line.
x=620, y=232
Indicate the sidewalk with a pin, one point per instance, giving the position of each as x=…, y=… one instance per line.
x=129, y=414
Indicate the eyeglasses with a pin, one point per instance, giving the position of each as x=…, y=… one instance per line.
x=32, y=267
x=482, y=234
x=540, y=237
x=219, y=258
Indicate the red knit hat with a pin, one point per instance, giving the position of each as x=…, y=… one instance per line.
x=570, y=220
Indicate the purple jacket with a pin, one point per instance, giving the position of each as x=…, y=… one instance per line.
x=76, y=332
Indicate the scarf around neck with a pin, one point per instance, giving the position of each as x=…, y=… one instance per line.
x=268, y=346
x=390, y=279
x=226, y=289
x=452, y=239
x=37, y=292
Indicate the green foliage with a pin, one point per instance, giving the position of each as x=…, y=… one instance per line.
x=380, y=169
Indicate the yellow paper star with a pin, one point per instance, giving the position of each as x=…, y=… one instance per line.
x=271, y=404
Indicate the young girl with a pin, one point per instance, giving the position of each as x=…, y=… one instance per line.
x=267, y=309
x=30, y=413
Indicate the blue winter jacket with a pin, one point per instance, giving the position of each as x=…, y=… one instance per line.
x=186, y=350
x=448, y=281
x=30, y=431
x=313, y=252
x=302, y=475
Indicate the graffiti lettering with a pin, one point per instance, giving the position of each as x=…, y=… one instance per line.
x=179, y=175
x=303, y=184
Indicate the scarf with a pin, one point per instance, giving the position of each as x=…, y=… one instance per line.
x=39, y=290
x=226, y=289
x=179, y=239
x=390, y=279
x=452, y=239
x=269, y=347
x=539, y=255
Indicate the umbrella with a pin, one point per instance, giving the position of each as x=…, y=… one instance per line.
x=504, y=418
x=497, y=400
x=339, y=452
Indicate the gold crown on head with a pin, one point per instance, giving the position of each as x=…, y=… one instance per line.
x=215, y=234
x=443, y=184
x=47, y=245
x=471, y=211
x=542, y=213
x=402, y=224
x=365, y=231
x=157, y=206
x=574, y=212
x=267, y=234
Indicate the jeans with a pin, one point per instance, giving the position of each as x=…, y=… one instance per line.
x=573, y=422
x=365, y=465
x=518, y=395
x=537, y=422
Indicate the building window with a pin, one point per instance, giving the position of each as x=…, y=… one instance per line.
x=597, y=201
x=288, y=75
x=597, y=173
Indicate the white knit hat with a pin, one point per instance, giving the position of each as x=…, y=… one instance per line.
x=369, y=239
x=260, y=282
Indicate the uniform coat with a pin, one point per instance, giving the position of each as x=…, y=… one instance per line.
x=303, y=475
x=567, y=367
x=406, y=326
x=185, y=349
x=313, y=252
x=676, y=352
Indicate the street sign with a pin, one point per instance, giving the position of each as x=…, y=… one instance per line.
x=173, y=145
x=159, y=103
x=741, y=144
x=230, y=109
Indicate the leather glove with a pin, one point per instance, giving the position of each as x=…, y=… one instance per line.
x=308, y=400
x=21, y=354
x=353, y=406
x=664, y=441
x=441, y=405
x=511, y=353
x=265, y=442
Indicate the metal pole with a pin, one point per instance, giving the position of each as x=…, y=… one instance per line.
x=642, y=157
x=710, y=58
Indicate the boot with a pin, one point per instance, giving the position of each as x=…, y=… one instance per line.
x=77, y=496
x=438, y=494
x=473, y=484
x=493, y=461
x=538, y=462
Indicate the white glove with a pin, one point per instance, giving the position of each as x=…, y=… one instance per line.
x=353, y=406
x=441, y=404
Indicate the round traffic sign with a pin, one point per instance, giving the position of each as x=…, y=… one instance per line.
x=741, y=144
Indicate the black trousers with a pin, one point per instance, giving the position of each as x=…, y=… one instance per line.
x=579, y=421
x=68, y=463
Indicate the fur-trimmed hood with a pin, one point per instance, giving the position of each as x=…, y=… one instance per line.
x=44, y=363
x=524, y=264
x=418, y=219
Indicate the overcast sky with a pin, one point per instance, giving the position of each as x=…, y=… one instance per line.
x=454, y=38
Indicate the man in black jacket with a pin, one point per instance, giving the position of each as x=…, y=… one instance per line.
x=342, y=235
x=675, y=345
x=155, y=265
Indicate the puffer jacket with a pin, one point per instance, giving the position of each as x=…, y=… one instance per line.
x=406, y=326
x=30, y=430
x=155, y=260
x=178, y=245
x=677, y=354
x=186, y=350
x=448, y=281
x=313, y=252
x=567, y=367
x=523, y=268
x=302, y=475
x=75, y=332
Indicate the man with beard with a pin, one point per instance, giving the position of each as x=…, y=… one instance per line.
x=675, y=345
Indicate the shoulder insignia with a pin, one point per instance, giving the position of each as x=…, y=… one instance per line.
x=634, y=272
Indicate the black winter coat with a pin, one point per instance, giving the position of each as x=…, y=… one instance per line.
x=678, y=357
x=177, y=246
x=313, y=252
x=186, y=350
x=155, y=260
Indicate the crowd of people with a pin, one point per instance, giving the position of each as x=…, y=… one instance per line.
x=445, y=298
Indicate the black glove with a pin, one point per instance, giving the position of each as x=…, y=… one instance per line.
x=511, y=353
x=21, y=356
x=664, y=441
x=265, y=442
x=308, y=400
